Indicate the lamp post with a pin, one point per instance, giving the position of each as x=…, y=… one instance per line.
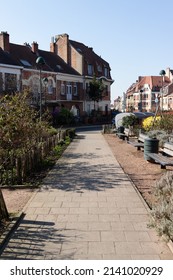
x=45, y=81
x=162, y=73
x=40, y=63
x=140, y=100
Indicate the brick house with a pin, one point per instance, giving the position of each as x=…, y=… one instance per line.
x=86, y=62
x=142, y=94
x=62, y=80
x=168, y=92
x=26, y=75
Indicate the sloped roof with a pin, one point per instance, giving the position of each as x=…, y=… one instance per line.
x=5, y=58
x=153, y=81
x=89, y=55
x=132, y=87
x=56, y=63
x=169, y=89
x=22, y=55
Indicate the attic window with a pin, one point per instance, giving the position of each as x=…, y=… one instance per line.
x=25, y=62
x=79, y=50
x=106, y=72
x=59, y=67
x=99, y=68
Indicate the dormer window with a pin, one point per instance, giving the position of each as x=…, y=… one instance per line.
x=90, y=69
x=59, y=67
x=99, y=68
x=106, y=72
x=25, y=63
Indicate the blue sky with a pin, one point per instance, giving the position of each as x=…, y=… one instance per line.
x=134, y=36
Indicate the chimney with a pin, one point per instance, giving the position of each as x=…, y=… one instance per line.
x=35, y=47
x=52, y=45
x=4, y=41
x=62, y=45
x=140, y=78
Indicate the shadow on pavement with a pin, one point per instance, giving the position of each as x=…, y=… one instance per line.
x=31, y=239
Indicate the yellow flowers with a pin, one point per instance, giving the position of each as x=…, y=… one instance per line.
x=147, y=123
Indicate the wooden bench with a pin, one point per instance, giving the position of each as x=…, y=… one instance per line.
x=165, y=158
x=122, y=136
x=140, y=141
x=142, y=137
x=136, y=144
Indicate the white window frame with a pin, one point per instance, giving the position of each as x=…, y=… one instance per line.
x=90, y=69
x=106, y=72
x=62, y=88
x=69, y=91
x=75, y=89
x=68, y=88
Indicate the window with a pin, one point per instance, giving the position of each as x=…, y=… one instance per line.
x=87, y=86
x=62, y=88
x=69, y=91
x=75, y=92
x=106, y=90
x=106, y=72
x=90, y=69
x=99, y=68
x=59, y=67
x=68, y=88
x=50, y=87
x=25, y=63
x=10, y=82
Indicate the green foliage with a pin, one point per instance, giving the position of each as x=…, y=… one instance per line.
x=19, y=126
x=64, y=117
x=67, y=140
x=130, y=120
x=21, y=135
x=166, y=123
x=71, y=133
x=58, y=150
x=162, y=210
x=161, y=135
x=95, y=90
x=52, y=131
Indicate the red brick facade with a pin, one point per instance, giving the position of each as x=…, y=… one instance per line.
x=66, y=70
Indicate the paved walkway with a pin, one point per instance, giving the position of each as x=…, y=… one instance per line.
x=86, y=209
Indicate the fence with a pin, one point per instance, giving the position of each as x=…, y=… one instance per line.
x=15, y=168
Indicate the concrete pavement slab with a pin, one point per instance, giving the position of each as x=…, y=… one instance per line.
x=87, y=208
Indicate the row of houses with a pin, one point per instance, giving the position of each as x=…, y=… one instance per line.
x=147, y=93
x=60, y=76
